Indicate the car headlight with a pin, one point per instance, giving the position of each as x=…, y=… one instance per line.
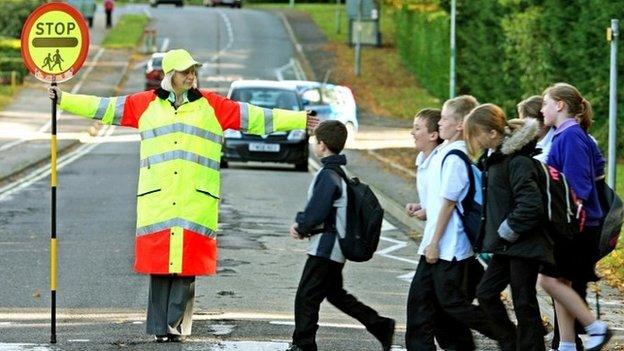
x=297, y=134
x=232, y=134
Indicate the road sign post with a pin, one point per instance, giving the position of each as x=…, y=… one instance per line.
x=54, y=45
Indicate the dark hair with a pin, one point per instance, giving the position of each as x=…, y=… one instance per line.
x=333, y=134
x=531, y=108
x=578, y=107
x=431, y=116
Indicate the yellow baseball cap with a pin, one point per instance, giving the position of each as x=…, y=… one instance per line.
x=178, y=60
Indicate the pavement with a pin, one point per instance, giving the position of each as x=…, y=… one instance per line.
x=24, y=143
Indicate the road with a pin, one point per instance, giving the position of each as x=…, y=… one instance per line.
x=249, y=304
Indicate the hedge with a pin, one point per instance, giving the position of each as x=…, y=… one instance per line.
x=13, y=14
x=511, y=49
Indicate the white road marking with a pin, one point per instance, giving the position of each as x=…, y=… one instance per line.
x=59, y=113
x=44, y=171
x=230, y=34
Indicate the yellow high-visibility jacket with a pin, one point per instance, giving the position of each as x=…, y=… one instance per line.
x=179, y=180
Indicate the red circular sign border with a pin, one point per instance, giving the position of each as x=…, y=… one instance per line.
x=32, y=18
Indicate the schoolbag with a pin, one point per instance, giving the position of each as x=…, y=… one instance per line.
x=472, y=203
x=562, y=220
x=613, y=217
x=364, y=219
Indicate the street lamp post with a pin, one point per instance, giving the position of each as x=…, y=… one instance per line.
x=358, y=39
x=452, y=63
x=612, y=35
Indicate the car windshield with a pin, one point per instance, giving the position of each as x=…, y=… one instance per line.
x=267, y=98
x=157, y=62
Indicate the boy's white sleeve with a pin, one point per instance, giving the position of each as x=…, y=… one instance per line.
x=455, y=181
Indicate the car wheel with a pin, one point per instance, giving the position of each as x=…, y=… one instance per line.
x=180, y=4
x=302, y=167
x=154, y=4
x=224, y=163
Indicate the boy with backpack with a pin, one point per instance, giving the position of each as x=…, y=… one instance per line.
x=324, y=222
x=443, y=275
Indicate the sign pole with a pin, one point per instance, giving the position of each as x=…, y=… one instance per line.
x=54, y=46
x=53, y=243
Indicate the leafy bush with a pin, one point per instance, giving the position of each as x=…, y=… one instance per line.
x=13, y=14
x=510, y=49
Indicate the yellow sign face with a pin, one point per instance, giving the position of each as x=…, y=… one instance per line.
x=54, y=42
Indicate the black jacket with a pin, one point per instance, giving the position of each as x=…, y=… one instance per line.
x=319, y=211
x=513, y=207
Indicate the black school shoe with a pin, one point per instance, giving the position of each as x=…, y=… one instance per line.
x=607, y=336
x=161, y=338
x=294, y=347
x=388, y=335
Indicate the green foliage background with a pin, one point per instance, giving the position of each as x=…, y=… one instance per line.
x=510, y=49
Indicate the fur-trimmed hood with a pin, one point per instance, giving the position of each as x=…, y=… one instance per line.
x=523, y=138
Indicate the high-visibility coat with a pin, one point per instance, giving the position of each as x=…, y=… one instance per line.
x=179, y=178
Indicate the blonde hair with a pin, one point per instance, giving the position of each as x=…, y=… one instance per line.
x=461, y=106
x=484, y=117
x=531, y=108
x=578, y=107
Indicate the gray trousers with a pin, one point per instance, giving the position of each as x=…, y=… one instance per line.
x=170, y=305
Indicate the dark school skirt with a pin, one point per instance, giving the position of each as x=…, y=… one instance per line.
x=575, y=260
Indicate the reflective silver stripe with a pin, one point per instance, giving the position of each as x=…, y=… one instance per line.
x=176, y=222
x=119, y=110
x=244, y=116
x=183, y=128
x=268, y=121
x=180, y=155
x=101, y=110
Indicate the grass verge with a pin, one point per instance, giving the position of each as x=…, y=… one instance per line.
x=385, y=87
x=6, y=95
x=127, y=32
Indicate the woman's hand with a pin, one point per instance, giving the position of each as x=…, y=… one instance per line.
x=55, y=92
x=312, y=121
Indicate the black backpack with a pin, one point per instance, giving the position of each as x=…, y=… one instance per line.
x=364, y=219
x=472, y=204
x=613, y=216
x=562, y=220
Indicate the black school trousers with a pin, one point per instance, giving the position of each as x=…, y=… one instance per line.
x=322, y=279
x=438, y=296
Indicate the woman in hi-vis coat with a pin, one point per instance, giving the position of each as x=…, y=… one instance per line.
x=179, y=180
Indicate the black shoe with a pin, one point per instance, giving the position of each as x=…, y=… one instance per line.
x=607, y=336
x=176, y=338
x=161, y=338
x=388, y=336
x=294, y=347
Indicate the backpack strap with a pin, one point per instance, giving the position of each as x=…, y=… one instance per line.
x=338, y=170
x=468, y=163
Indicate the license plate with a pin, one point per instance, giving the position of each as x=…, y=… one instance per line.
x=264, y=147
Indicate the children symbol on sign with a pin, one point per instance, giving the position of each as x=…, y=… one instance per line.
x=47, y=61
x=57, y=60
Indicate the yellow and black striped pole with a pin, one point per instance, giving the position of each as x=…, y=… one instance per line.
x=53, y=252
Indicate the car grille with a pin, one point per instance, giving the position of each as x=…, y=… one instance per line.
x=269, y=138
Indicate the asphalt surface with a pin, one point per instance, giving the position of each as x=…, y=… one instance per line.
x=248, y=305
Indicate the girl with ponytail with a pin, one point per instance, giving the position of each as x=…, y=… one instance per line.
x=575, y=154
x=512, y=228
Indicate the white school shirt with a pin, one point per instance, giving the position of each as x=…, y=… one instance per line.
x=450, y=183
x=545, y=145
x=422, y=178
